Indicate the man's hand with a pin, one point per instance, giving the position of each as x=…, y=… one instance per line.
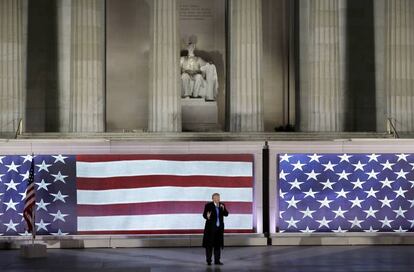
x=208, y=215
x=222, y=206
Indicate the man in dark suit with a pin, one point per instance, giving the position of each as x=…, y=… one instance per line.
x=214, y=228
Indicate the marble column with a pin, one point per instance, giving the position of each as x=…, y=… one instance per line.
x=87, y=97
x=13, y=37
x=322, y=70
x=164, y=91
x=246, y=95
x=395, y=63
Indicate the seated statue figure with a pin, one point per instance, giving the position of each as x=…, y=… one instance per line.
x=198, y=77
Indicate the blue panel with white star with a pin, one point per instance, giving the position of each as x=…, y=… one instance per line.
x=346, y=193
x=55, y=183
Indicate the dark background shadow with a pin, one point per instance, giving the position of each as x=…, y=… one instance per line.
x=360, y=109
x=42, y=113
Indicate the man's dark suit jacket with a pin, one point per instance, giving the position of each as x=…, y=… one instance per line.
x=213, y=236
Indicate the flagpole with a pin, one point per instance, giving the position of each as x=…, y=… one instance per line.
x=33, y=213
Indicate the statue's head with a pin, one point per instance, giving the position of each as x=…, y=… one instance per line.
x=191, y=47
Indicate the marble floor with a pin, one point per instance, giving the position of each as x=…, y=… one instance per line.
x=303, y=258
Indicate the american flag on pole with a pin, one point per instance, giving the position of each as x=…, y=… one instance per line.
x=28, y=211
x=125, y=194
x=346, y=192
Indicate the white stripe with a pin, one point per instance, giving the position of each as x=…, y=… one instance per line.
x=158, y=222
x=152, y=194
x=161, y=167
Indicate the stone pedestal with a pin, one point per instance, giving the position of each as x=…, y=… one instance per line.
x=395, y=63
x=199, y=115
x=13, y=27
x=164, y=92
x=322, y=70
x=246, y=95
x=31, y=251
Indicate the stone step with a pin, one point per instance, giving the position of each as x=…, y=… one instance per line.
x=210, y=136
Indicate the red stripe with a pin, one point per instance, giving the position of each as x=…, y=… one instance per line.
x=164, y=207
x=190, y=231
x=186, y=157
x=161, y=180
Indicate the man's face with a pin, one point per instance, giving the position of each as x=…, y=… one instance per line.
x=216, y=198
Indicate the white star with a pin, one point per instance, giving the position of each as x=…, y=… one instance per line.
x=412, y=223
x=1, y=159
x=341, y=193
x=42, y=225
x=25, y=175
x=400, y=212
x=343, y=175
x=400, y=192
x=292, y=202
x=281, y=214
x=307, y=213
x=281, y=194
x=27, y=158
x=43, y=166
x=339, y=212
x=42, y=205
x=11, y=205
x=310, y=193
x=371, y=230
x=1, y=175
x=371, y=192
x=59, y=196
x=356, y=222
x=387, y=183
x=59, y=216
x=327, y=184
x=387, y=165
x=12, y=167
x=339, y=230
x=401, y=230
x=323, y=222
x=282, y=175
x=314, y=157
x=402, y=157
x=11, y=185
x=412, y=164
x=386, y=222
x=292, y=223
x=358, y=183
x=325, y=202
x=295, y=184
x=372, y=174
x=370, y=212
x=356, y=202
x=11, y=225
x=312, y=175
x=344, y=157
x=59, y=233
x=373, y=157
x=285, y=157
x=385, y=202
x=60, y=158
x=42, y=185
x=401, y=174
x=329, y=166
x=298, y=166
x=23, y=194
x=412, y=202
x=25, y=233
x=60, y=177
x=412, y=183
x=307, y=230
x=359, y=166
